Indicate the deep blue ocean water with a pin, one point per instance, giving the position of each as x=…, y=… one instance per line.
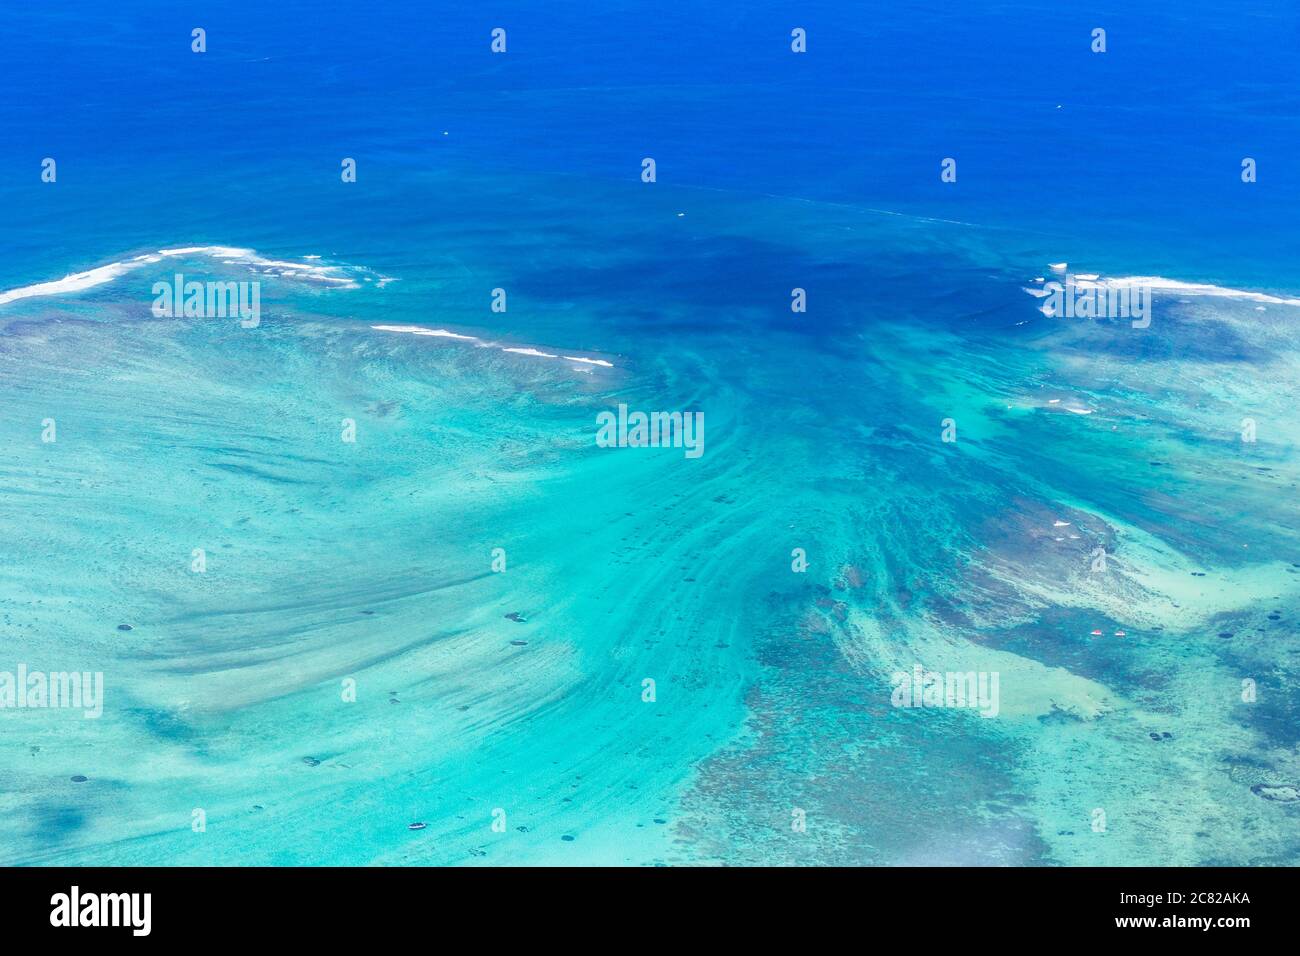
x=331, y=561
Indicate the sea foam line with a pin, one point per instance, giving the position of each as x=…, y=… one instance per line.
x=515, y=349
x=1162, y=284
x=80, y=281
x=75, y=282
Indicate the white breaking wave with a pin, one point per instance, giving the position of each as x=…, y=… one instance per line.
x=515, y=349
x=417, y=330
x=1161, y=284
x=249, y=257
x=76, y=282
x=334, y=276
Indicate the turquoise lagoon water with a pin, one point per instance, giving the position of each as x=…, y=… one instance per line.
x=517, y=695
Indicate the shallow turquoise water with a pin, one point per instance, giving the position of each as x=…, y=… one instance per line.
x=372, y=560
